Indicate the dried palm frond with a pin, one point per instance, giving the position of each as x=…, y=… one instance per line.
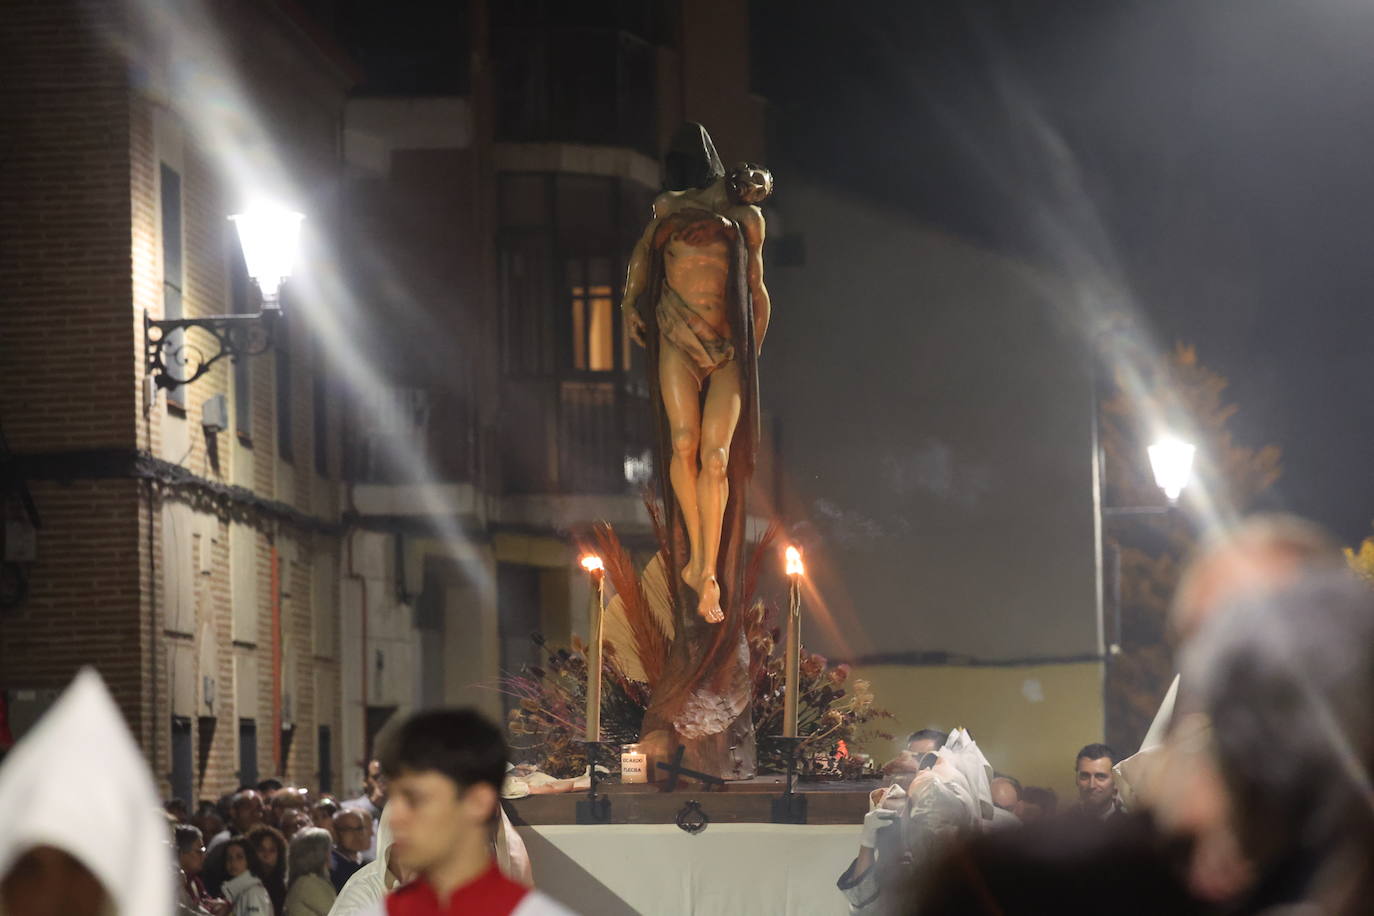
x=650, y=640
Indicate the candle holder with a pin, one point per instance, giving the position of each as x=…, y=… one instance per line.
x=595, y=808
x=790, y=807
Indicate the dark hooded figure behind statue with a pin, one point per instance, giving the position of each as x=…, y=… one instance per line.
x=695, y=299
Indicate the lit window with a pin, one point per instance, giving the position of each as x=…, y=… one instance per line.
x=594, y=337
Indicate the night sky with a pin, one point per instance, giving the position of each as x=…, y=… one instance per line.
x=1227, y=149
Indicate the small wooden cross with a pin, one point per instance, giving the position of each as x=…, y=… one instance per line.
x=677, y=769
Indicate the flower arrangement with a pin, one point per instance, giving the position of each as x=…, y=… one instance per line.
x=833, y=710
x=547, y=724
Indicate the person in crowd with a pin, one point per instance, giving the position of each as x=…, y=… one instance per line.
x=1096, y=782
x=351, y=838
x=1278, y=705
x=1006, y=797
x=374, y=880
x=207, y=820
x=176, y=807
x=270, y=848
x=243, y=886
x=294, y=820
x=372, y=800
x=949, y=797
x=310, y=892
x=190, y=846
x=245, y=813
x=1262, y=554
x=82, y=832
x=290, y=798
x=269, y=786
x=374, y=794
x=1038, y=803
x=918, y=745
x=1174, y=775
x=448, y=767
x=323, y=811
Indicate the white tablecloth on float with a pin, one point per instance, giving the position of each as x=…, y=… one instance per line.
x=735, y=869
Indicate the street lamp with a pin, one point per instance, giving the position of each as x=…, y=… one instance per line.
x=269, y=236
x=1171, y=461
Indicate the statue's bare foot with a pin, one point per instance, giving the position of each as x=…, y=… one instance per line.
x=709, y=606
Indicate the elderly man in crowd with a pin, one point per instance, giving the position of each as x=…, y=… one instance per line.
x=371, y=801
x=352, y=839
x=1006, y=797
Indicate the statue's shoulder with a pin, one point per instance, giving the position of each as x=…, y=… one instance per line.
x=750, y=219
x=668, y=202
x=745, y=214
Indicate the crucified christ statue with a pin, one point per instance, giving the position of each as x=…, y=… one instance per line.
x=687, y=302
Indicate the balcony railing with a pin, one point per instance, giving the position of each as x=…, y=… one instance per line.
x=575, y=437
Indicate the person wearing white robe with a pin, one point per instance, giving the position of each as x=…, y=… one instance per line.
x=950, y=799
x=79, y=784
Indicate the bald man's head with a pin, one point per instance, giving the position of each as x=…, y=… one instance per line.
x=1006, y=794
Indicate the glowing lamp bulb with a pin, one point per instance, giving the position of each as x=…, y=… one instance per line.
x=268, y=235
x=592, y=563
x=794, y=562
x=1172, y=462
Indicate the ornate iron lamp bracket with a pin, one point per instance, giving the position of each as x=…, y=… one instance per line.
x=234, y=335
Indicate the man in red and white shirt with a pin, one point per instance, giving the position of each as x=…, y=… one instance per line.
x=446, y=769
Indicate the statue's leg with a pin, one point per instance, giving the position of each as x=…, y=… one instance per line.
x=718, y=422
x=682, y=403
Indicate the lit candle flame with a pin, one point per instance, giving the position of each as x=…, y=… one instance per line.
x=592, y=563
x=794, y=562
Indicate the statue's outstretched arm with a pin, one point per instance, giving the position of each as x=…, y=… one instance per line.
x=753, y=227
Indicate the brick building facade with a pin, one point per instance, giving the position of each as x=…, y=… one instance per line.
x=195, y=568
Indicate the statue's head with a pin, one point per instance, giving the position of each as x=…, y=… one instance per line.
x=691, y=160
x=750, y=183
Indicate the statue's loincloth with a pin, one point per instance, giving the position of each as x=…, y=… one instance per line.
x=705, y=348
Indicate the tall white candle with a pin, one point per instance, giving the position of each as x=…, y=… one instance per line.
x=596, y=628
x=792, y=650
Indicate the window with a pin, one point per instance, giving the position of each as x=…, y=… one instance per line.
x=568, y=233
x=248, y=752
x=570, y=83
x=594, y=328
x=527, y=323
x=288, y=735
x=325, y=750
x=172, y=279
x=241, y=303
x=182, y=785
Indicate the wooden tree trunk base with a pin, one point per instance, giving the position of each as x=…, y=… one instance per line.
x=715, y=726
